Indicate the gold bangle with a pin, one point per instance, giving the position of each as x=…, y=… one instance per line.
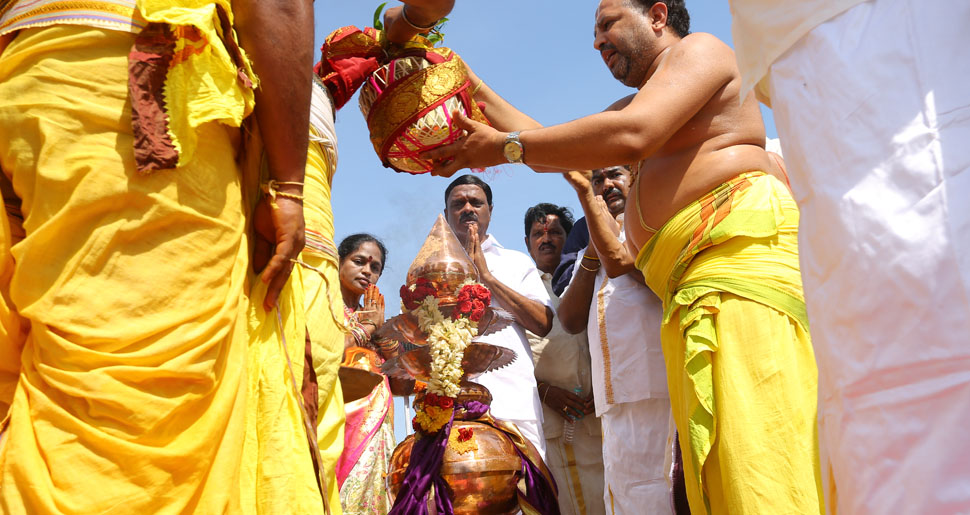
x=271, y=188
x=594, y=270
x=404, y=14
x=590, y=257
x=478, y=87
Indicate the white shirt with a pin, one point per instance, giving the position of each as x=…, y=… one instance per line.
x=624, y=342
x=514, y=392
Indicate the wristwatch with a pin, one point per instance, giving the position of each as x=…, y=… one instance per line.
x=513, y=149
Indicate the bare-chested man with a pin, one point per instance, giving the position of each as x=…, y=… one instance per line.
x=714, y=233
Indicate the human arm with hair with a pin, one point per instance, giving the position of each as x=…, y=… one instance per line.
x=573, y=310
x=278, y=36
x=604, y=232
x=688, y=76
x=420, y=13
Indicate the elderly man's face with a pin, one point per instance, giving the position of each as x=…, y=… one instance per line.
x=546, y=240
x=613, y=184
x=467, y=206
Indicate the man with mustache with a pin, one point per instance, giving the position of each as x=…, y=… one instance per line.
x=517, y=288
x=621, y=318
x=574, y=450
x=714, y=231
x=579, y=237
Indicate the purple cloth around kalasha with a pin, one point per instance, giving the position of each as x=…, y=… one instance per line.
x=471, y=410
x=537, y=490
x=423, y=470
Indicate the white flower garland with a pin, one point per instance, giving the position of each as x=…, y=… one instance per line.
x=447, y=339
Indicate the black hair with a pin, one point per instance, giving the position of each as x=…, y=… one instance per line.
x=354, y=241
x=469, y=179
x=541, y=211
x=677, y=16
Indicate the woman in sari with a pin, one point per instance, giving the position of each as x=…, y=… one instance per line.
x=369, y=430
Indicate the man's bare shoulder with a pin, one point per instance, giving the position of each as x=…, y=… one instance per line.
x=696, y=63
x=701, y=48
x=704, y=42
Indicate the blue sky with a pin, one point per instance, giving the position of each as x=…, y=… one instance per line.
x=537, y=54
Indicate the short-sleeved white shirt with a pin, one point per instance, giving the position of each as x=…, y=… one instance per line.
x=624, y=342
x=514, y=392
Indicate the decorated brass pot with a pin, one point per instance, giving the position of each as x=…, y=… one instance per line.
x=483, y=479
x=408, y=104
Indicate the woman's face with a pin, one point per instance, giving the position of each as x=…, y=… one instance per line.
x=361, y=268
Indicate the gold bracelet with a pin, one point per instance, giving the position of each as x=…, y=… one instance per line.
x=404, y=14
x=590, y=257
x=271, y=188
x=594, y=270
x=478, y=87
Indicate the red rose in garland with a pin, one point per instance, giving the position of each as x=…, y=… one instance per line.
x=422, y=289
x=478, y=309
x=440, y=401
x=465, y=434
x=472, y=301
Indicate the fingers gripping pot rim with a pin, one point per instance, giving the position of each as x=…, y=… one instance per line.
x=408, y=104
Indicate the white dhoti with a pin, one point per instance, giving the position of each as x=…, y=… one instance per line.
x=873, y=111
x=578, y=469
x=636, y=457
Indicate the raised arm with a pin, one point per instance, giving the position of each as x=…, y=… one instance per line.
x=422, y=15
x=604, y=232
x=502, y=115
x=278, y=35
x=688, y=75
x=573, y=311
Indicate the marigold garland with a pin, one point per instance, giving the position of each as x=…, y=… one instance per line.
x=431, y=419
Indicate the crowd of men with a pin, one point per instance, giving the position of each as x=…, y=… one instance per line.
x=148, y=336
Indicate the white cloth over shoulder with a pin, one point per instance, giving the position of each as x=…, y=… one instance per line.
x=873, y=110
x=514, y=392
x=763, y=30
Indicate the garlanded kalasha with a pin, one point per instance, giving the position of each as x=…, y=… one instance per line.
x=447, y=338
x=438, y=468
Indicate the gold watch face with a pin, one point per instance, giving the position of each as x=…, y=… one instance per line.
x=513, y=151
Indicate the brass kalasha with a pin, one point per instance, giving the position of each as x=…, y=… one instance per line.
x=408, y=104
x=482, y=475
x=442, y=260
x=483, y=481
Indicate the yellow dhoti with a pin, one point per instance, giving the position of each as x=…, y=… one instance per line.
x=323, y=301
x=740, y=365
x=278, y=475
x=131, y=391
